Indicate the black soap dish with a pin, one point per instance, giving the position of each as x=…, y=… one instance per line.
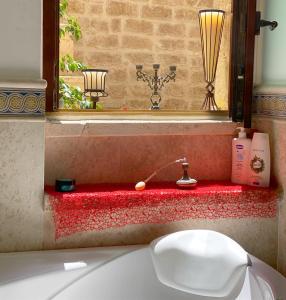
x=65, y=185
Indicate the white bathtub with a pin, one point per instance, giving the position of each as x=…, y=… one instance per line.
x=111, y=273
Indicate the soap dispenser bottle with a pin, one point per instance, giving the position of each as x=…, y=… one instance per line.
x=259, y=174
x=241, y=147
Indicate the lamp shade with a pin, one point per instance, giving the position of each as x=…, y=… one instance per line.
x=94, y=82
x=211, y=27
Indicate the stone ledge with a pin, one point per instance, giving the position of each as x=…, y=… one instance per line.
x=138, y=127
x=99, y=207
x=31, y=84
x=270, y=90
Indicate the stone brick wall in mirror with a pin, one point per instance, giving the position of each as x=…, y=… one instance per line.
x=118, y=34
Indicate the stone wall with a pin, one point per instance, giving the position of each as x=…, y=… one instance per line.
x=118, y=34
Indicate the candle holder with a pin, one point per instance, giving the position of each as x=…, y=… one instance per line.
x=156, y=82
x=211, y=27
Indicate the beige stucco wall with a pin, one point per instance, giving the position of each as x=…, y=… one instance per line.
x=21, y=184
x=21, y=137
x=119, y=34
x=21, y=41
x=270, y=80
x=277, y=130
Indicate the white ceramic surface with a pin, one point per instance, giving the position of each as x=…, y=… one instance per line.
x=112, y=273
x=200, y=262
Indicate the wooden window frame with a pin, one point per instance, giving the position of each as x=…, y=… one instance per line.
x=51, y=45
x=241, y=68
x=242, y=61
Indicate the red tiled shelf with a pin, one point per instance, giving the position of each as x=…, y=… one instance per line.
x=98, y=207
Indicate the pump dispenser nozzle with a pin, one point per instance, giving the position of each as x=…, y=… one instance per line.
x=241, y=133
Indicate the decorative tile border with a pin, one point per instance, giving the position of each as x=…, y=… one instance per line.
x=270, y=100
x=270, y=105
x=26, y=98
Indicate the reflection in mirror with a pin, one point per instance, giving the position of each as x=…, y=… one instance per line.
x=117, y=35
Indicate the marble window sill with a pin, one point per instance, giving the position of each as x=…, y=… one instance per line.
x=65, y=128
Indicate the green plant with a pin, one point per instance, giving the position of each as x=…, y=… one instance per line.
x=69, y=64
x=71, y=97
x=72, y=27
x=69, y=24
x=63, y=7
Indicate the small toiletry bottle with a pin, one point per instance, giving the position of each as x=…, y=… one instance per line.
x=259, y=171
x=240, y=158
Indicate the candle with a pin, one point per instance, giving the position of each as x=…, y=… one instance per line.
x=156, y=66
x=173, y=68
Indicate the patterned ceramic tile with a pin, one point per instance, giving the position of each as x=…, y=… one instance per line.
x=15, y=101
x=270, y=105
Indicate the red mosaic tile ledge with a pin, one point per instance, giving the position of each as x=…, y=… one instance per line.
x=98, y=207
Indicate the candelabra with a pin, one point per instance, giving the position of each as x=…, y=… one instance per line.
x=156, y=82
